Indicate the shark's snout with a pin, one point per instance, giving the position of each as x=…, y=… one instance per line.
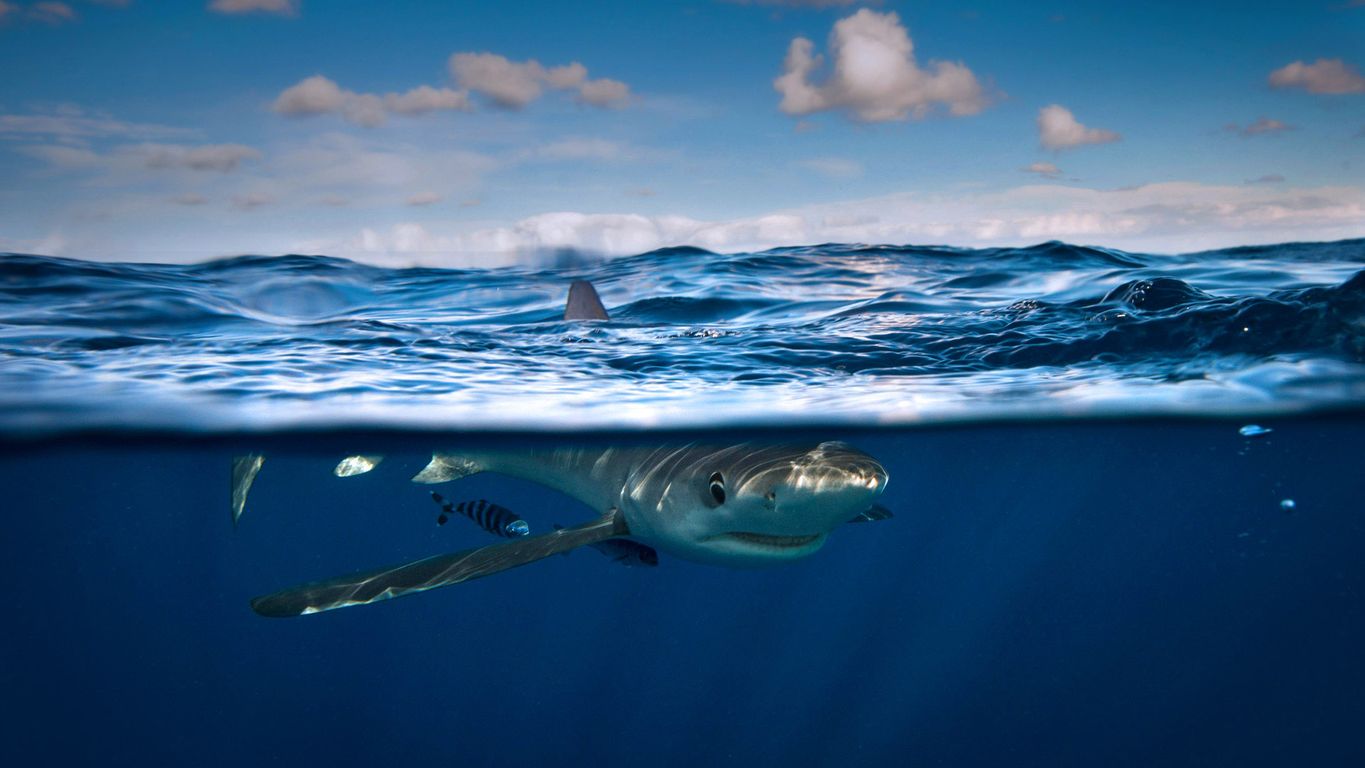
x=785, y=507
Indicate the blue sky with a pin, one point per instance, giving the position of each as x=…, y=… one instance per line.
x=464, y=134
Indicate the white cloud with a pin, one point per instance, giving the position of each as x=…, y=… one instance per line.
x=1332, y=76
x=280, y=7
x=875, y=76
x=513, y=85
x=63, y=157
x=1059, y=129
x=424, y=198
x=208, y=157
x=318, y=95
x=834, y=167
x=607, y=233
x=366, y=172
x=1273, y=178
x=1046, y=170
x=54, y=244
x=6, y=9
x=190, y=199
x=1262, y=126
x=603, y=92
x=314, y=95
x=332, y=168
x=251, y=201
x=72, y=124
x=507, y=83
x=424, y=99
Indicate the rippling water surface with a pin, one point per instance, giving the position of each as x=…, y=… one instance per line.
x=843, y=334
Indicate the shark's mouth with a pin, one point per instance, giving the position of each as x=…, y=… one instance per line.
x=770, y=540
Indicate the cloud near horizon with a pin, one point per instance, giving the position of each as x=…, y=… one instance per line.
x=875, y=77
x=1171, y=217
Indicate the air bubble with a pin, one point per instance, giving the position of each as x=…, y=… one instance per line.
x=1287, y=505
x=1254, y=430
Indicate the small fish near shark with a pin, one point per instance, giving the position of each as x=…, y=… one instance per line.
x=742, y=505
x=494, y=518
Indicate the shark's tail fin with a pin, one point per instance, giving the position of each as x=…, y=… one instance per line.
x=583, y=303
x=445, y=467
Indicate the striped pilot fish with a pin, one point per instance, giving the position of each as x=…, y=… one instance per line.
x=494, y=518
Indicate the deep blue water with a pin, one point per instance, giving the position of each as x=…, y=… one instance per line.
x=1108, y=573
x=1047, y=594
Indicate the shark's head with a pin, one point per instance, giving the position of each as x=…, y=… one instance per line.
x=751, y=505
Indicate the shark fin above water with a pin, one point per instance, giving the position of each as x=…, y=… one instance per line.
x=583, y=303
x=244, y=469
x=433, y=572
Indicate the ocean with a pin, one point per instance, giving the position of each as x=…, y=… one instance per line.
x=1126, y=494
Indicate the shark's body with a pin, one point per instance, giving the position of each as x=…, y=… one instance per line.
x=737, y=505
x=741, y=505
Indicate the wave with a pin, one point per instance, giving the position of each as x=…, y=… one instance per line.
x=849, y=333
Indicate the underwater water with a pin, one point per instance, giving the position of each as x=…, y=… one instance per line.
x=1126, y=492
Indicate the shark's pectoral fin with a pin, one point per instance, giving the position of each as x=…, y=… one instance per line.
x=877, y=512
x=444, y=467
x=433, y=572
x=244, y=469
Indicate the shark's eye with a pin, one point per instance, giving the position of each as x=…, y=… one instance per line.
x=718, y=488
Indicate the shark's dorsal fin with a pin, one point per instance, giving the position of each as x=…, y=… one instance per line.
x=583, y=303
x=445, y=467
x=438, y=571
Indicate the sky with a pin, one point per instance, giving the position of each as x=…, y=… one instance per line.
x=484, y=134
